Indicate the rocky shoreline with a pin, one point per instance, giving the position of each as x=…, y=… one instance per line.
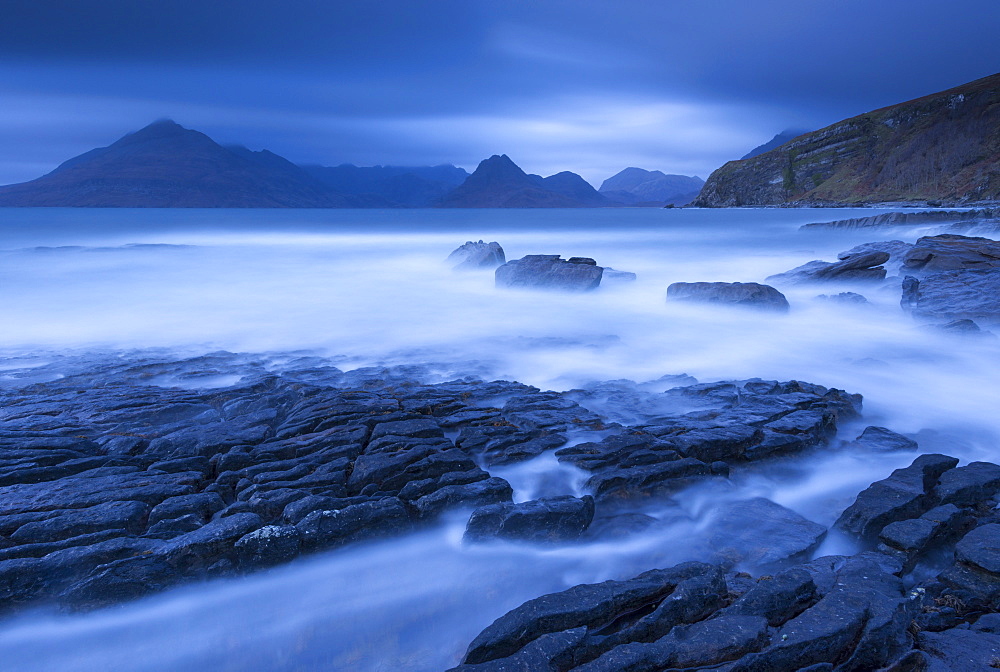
x=113, y=487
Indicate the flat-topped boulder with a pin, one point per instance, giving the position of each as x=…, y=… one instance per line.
x=743, y=294
x=476, y=255
x=550, y=271
x=950, y=252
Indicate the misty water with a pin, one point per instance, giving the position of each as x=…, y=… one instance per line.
x=370, y=288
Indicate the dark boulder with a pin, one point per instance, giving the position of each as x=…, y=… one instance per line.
x=548, y=271
x=550, y=519
x=906, y=493
x=745, y=294
x=476, y=255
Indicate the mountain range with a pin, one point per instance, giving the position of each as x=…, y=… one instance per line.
x=635, y=186
x=941, y=147
x=166, y=165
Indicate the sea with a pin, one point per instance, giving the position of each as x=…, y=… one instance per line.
x=371, y=288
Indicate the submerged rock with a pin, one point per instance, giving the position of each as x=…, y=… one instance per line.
x=746, y=294
x=477, y=255
x=549, y=271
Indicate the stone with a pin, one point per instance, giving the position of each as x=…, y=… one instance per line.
x=954, y=295
x=951, y=252
x=548, y=271
x=861, y=266
x=267, y=546
x=476, y=255
x=583, y=605
x=744, y=294
x=127, y=517
x=550, y=519
x=762, y=533
x=553, y=651
x=780, y=598
x=970, y=485
x=700, y=645
x=980, y=548
x=206, y=545
x=372, y=519
x=906, y=493
x=882, y=440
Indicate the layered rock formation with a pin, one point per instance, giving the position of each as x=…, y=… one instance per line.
x=942, y=147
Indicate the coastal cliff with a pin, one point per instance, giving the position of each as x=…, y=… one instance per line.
x=942, y=147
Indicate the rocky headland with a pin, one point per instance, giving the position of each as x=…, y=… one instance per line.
x=944, y=147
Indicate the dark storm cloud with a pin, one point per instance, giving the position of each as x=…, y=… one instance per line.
x=557, y=84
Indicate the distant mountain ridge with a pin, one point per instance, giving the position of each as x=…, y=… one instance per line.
x=499, y=183
x=634, y=186
x=166, y=165
x=941, y=147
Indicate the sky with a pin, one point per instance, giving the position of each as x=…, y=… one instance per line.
x=590, y=86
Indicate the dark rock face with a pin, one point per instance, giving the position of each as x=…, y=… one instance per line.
x=551, y=519
x=737, y=528
x=548, y=271
x=746, y=294
x=937, y=149
x=474, y=255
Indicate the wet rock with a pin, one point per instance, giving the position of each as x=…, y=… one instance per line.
x=906, y=493
x=954, y=295
x=779, y=598
x=493, y=490
x=745, y=294
x=950, y=252
x=199, y=549
x=860, y=266
x=553, y=651
x=914, y=537
x=980, y=548
x=882, y=440
x=973, y=484
x=548, y=271
x=762, y=533
x=896, y=249
x=959, y=650
x=121, y=580
x=202, y=504
x=709, y=643
x=584, y=605
x=846, y=298
x=550, y=519
x=127, y=517
x=476, y=255
x=270, y=545
x=326, y=529
x=613, y=276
